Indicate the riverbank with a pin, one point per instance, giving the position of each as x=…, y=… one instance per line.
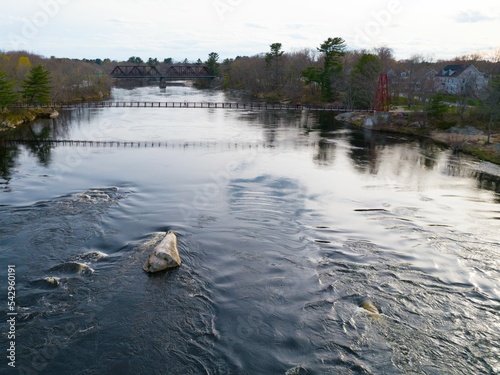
x=466, y=139
x=13, y=118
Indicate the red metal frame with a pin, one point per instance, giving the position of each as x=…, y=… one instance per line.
x=381, y=103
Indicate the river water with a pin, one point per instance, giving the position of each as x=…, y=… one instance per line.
x=286, y=221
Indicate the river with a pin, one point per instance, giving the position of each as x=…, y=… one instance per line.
x=286, y=221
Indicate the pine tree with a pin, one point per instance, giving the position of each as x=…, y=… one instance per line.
x=333, y=49
x=274, y=62
x=7, y=94
x=212, y=63
x=36, y=87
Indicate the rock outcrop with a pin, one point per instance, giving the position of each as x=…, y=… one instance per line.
x=11, y=119
x=165, y=255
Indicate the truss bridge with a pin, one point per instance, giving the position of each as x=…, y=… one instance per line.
x=172, y=72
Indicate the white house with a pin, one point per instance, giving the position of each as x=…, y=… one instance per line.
x=460, y=79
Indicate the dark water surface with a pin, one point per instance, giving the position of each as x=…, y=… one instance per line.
x=285, y=222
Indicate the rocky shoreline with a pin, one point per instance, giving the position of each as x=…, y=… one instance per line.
x=465, y=139
x=12, y=119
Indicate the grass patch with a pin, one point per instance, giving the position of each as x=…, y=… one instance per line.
x=488, y=154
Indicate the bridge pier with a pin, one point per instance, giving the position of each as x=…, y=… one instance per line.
x=163, y=83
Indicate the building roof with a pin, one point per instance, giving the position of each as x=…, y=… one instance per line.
x=452, y=70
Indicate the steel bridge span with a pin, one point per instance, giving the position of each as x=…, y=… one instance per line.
x=172, y=72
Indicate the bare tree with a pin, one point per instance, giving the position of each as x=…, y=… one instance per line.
x=386, y=56
x=294, y=64
x=471, y=57
x=495, y=56
x=363, y=80
x=492, y=104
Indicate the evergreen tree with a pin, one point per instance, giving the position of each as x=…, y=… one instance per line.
x=274, y=64
x=333, y=49
x=212, y=63
x=312, y=74
x=135, y=60
x=437, y=106
x=36, y=87
x=153, y=61
x=7, y=94
x=364, y=79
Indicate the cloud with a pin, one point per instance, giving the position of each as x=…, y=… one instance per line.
x=297, y=36
x=256, y=26
x=472, y=16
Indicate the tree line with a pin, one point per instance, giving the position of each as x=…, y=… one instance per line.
x=34, y=79
x=329, y=73
x=333, y=74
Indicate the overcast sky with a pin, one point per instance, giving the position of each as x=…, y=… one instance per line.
x=118, y=29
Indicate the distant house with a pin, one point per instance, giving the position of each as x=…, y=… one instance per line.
x=460, y=79
x=418, y=80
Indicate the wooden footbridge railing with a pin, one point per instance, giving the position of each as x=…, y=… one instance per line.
x=156, y=144
x=224, y=105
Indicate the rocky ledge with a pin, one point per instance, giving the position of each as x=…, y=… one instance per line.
x=465, y=139
x=11, y=119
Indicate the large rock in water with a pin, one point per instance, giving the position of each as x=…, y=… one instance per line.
x=164, y=256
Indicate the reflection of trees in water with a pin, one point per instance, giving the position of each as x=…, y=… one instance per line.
x=326, y=123
x=274, y=121
x=486, y=181
x=41, y=150
x=8, y=158
x=40, y=130
x=430, y=154
x=369, y=150
x=368, y=147
x=325, y=154
x=364, y=150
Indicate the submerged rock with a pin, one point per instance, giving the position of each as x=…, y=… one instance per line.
x=164, y=256
x=94, y=255
x=297, y=370
x=47, y=282
x=369, y=306
x=53, y=281
x=73, y=268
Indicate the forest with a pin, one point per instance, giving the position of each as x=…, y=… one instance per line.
x=62, y=80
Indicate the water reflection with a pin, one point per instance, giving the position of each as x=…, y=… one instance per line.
x=8, y=158
x=486, y=174
x=369, y=151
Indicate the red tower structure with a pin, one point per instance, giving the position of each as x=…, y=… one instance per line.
x=381, y=103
